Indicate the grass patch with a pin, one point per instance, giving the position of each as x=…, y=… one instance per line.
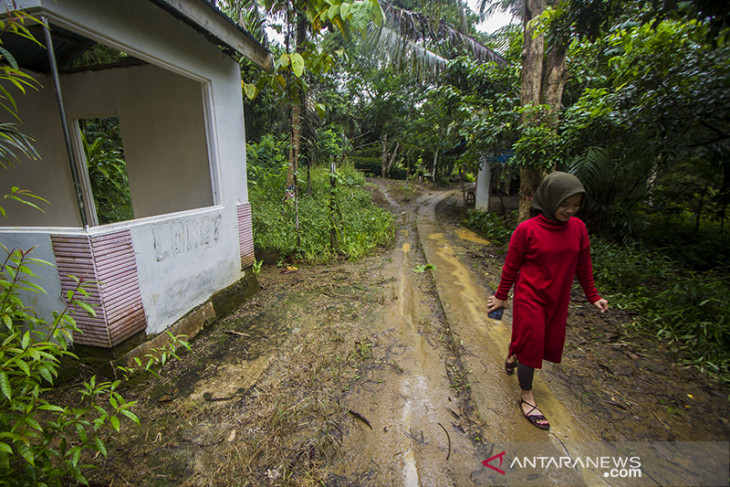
x=348, y=212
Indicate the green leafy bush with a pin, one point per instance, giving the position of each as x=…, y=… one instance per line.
x=266, y=162
x=42, y=443
x=496, y=228
x=371, y=165
x=109, y=181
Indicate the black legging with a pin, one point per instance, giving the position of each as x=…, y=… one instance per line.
x=525, y=374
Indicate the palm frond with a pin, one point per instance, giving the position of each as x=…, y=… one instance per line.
x=487, y=8
x=13, y=142
x=248, y=15
x=417, y=27
x=406, y=55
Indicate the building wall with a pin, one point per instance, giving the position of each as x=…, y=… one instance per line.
x=483, y=189
x=165, y=112
x=163, y=124
x=182, y=259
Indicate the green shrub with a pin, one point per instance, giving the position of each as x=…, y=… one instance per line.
x=42, y=443
x=266, y=161
x=496, y=228
x=371, y=165
x=703, y=249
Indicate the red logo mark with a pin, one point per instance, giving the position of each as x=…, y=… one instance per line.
x=501, y=459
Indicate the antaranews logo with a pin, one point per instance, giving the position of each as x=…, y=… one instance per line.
x=611, y=466
x=487, y=462
x=570, y=464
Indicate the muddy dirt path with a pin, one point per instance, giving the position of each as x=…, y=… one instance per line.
x=418, y=436
x=387, y=372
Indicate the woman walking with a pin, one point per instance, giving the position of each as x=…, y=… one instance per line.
x=545, y=253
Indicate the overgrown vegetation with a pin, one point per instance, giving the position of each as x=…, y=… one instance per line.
x=42, y=443
x=671, y=300
x=339, y=222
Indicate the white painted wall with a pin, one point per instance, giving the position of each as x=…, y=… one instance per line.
x=183, y=257
x=40, y=243
x=182, y=260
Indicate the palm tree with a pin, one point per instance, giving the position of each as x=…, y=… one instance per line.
x=415, y=40
x=418, y=42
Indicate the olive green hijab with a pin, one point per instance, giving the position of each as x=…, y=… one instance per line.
x=555, y=188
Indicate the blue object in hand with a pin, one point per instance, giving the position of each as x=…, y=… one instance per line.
x=496, y=314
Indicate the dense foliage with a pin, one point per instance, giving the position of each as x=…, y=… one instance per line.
x=334, y=223
x=102, y=143
x=670, y=300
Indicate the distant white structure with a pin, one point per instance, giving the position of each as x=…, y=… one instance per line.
x=482, y=189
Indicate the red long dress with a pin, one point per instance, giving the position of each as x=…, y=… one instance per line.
x=543, y=258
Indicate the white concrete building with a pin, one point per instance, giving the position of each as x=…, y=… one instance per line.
x=177, y=99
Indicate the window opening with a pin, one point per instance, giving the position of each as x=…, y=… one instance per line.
x=102, y=143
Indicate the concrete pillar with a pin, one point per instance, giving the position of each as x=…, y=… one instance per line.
x=482, y=189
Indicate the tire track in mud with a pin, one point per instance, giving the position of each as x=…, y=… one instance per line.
x=423, y=427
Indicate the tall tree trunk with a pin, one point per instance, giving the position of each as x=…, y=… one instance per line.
x=435, y=161
x=532, y=74
x=391, y=161
x=295, y=138
x=387, y=159
x=553, y=81
x=297, y=102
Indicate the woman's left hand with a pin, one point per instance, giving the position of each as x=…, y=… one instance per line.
x=602, y=305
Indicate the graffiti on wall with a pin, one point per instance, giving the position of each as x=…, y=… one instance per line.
x=179, y=237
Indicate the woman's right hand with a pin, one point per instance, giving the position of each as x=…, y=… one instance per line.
x=494, y=303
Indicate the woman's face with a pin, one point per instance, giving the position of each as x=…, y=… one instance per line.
x=569, y=207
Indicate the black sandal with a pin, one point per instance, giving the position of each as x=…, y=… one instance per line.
x=510, y=367
x=534, y=418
